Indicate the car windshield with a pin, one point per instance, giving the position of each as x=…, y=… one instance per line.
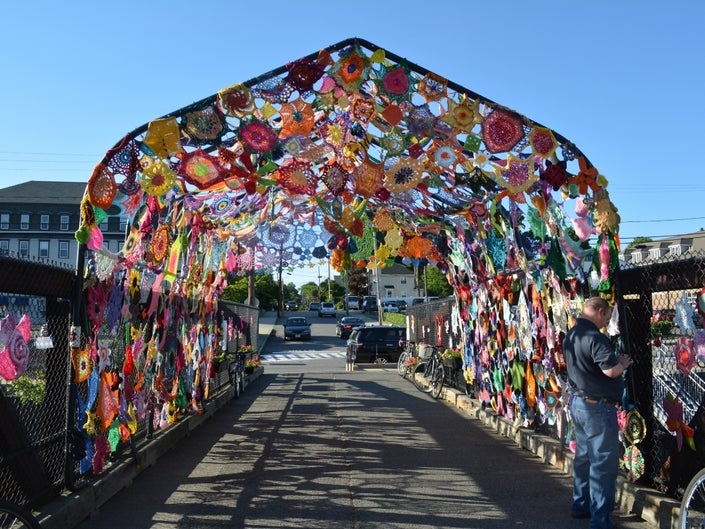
x=353, y=321
x=296, y=321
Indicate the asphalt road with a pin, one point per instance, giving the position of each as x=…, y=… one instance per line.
x=309, y=445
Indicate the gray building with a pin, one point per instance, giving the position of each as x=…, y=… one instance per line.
x=38, y=221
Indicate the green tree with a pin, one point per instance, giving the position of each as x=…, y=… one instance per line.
x=436, y=282
x=639, y=240
x=266, y=290
x=309, y=293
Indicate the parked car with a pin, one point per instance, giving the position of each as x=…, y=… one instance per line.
x=327, y=308
x=353, y=303
x=390, y=306
x=291, y=305
x=313, y=307
x=297, y=328
x=369, y=304
x=346, y=325
x=376, y=343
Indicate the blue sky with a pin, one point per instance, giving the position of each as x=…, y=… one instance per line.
x=623, y=80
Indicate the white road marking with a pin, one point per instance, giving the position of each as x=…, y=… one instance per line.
x=287, y=356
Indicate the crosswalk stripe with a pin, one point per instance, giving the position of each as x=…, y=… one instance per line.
x=300, y=355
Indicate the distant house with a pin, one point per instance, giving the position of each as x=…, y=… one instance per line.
x=662, y=249
x=38, y=221
x=397, y=281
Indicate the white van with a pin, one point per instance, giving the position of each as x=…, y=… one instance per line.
x=353, y=303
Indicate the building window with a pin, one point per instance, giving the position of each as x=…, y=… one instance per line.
x=403, y=280
x=44, y=249
x=44, y=222
x=676, y=249
x=654, y=253
x=104, y=225
x=64, y=225
x=4, y=247
x=24, y=221
x=636, y=257
x=63, y=249
x=24, y=248
x=123, y=225
x=5, y=221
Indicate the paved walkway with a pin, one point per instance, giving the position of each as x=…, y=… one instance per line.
x=654, y=509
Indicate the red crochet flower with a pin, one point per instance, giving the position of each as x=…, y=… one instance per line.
x=395, y=81
x=501, y=131
x=258, y=137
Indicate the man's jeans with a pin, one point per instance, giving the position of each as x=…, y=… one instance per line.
x=596, y=461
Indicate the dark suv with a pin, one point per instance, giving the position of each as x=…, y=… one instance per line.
x=376, y=344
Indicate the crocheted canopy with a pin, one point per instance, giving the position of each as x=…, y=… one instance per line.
x=310, y=160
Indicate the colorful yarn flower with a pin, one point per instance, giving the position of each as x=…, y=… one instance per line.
x=404, y=175
x=501, y=131
x=258, y=137
x=158, y=179
x=297, y=118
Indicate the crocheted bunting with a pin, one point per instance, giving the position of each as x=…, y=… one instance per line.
x=159, y=246
x=404, y=175
x=635, y=428
x=257, y=136
x=335, y=178
x=463, y=116
x=518, y=175
x=124, y=159
x=303, y=74
x=368, y=177
x=418, y=247
x=307, y=238
x=395, y=82
x=633, y=463
x=102, y=188
x=501, y=131
x=362, y=109
x=542, y=142
x=200, y=169
x=420, y=121
x=351, y=69
x=297, y=118
x=297, y=177
x=433, y=87
x=223, y=204
x=279, y=234
x=237, y=100
x=158, y=178
x=274, y=90
x=383, y=220
x=205, y=126
x=163, y=137
x=394, y=142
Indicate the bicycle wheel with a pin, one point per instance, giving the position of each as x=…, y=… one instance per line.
x=692, y=515
x=13, y=516
x=437, y=378
x=401, y=363
x=421, y=377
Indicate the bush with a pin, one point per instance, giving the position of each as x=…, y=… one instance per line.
x=661, y=328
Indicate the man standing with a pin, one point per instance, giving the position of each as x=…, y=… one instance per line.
x=596, y=385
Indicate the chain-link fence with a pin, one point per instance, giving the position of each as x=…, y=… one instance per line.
x=667, y=385
x=35, y=312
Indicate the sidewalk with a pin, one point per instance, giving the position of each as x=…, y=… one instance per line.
x=657, y=510
x=267, y=326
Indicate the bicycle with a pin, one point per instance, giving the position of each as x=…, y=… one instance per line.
x=692, y=514
x=406, y=355
x=429, y=374
x=13, y=516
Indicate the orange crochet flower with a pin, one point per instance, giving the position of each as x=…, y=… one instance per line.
x=297, y=118
x=586, y=178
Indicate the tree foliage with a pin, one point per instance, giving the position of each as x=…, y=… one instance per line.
x=436, y=282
